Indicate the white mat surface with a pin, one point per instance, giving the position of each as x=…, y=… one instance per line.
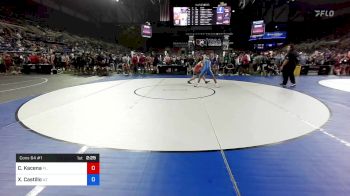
x=339, y=84
x=110, y=114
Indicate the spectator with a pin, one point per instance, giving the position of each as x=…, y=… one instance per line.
x=2, y=64
x=8, y=62
x=134, y=62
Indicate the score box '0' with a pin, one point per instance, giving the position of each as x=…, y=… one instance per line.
x=57, y=169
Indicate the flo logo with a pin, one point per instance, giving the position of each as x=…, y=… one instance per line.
x=324, y=13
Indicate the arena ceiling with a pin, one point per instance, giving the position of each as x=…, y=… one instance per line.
x=282, y=11
x=107, y=11
x=140, y=11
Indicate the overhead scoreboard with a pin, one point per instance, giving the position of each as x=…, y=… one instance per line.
x=57, y=169
x=258, y=28
x=146, y=31
x=202, y=14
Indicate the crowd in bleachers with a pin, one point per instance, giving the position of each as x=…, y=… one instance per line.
x=338, y=60
x=240, y=63
x=23, y=44
x=28, y=44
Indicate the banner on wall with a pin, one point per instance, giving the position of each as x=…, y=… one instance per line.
x=209, y=42
x=270, y=36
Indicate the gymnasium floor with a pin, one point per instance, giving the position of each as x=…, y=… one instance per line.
x=156, y=135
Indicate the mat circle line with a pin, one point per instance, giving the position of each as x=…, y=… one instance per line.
x=159, y=98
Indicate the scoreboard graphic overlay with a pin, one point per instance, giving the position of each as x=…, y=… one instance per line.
x=58, y=169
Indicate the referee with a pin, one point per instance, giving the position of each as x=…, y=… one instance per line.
x=288, y=66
